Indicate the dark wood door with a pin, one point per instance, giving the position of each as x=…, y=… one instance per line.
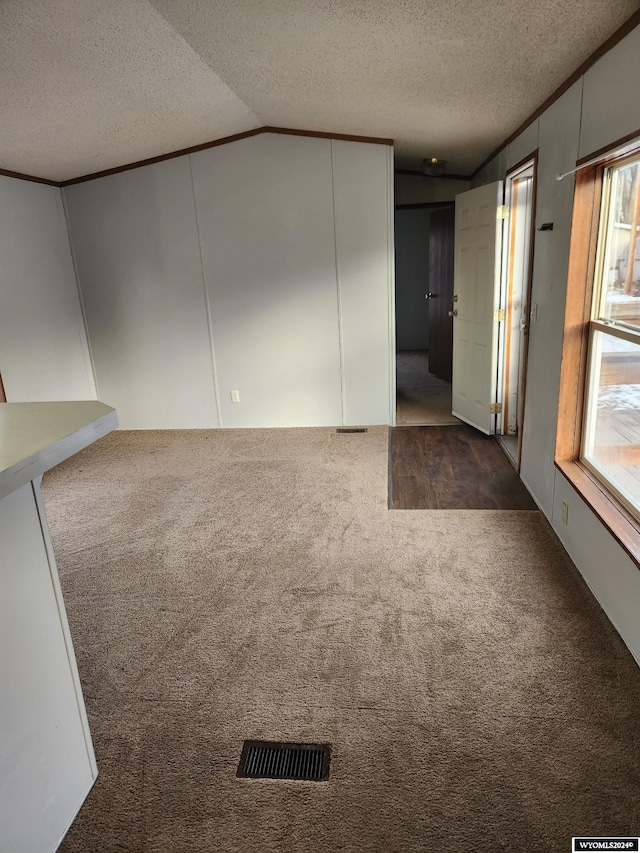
x=441, y=236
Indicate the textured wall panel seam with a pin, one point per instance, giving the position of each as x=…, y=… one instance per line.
x=207, y=302
x=85, y=340
x=338, y=290
x=581, y=113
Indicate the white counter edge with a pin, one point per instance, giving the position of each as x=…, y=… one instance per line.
x=34, y=466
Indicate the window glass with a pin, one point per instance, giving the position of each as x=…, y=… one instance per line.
x=620, y=264
x=612, y=424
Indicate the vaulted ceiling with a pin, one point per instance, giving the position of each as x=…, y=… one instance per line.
x=87, y=85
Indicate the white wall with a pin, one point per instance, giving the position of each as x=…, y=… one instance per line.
x=611, y=575
x=596, y=111
x=418, y=189
x=611, y=103
x=265, y=211
x=412, y=278
x=559, y=128
x=495, y=170
x=521, y=147
x=363, y=204
x=43, y=346
x=135, y=241
x=262, y=266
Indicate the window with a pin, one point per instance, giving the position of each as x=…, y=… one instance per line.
x=598, y=438
x=611, y=429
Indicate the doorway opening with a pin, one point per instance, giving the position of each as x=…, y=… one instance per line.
x=424, y=239
x=517, y=269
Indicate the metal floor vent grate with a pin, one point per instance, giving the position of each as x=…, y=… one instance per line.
x=352, y=429
x=269, y=760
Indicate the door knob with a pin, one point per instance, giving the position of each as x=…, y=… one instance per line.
x=453, y=313
x=431, y=295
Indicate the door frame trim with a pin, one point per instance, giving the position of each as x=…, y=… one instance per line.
x=391, y=272
x=530, y=160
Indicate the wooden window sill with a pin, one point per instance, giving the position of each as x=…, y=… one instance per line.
x=624, y=528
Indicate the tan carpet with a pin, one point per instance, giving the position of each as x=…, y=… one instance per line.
x=421, y=398
x=252, y=584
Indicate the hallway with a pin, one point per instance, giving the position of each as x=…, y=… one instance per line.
x=421, y=398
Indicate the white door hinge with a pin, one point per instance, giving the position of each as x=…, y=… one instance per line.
x=498, y=315
x=496, y=408
x=503, y=211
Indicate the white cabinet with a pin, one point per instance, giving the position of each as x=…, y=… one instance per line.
x=47, y=764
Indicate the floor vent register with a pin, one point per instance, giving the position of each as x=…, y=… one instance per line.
x=299, y=761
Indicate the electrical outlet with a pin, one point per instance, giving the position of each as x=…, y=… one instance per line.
x=235, y=396
x=565, y=512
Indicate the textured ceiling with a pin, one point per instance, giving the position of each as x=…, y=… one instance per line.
x=86, y=84
x=90, y=84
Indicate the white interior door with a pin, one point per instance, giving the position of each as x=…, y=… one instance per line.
x=476, y=297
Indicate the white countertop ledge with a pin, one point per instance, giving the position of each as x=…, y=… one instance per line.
x=35, y=437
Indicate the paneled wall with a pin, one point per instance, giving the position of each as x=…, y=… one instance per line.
x=363, y=207
x=611, y=98
x=417, y=189
x=594, y=113
x=559, y=129
x=265, y=212
x=263, y=267
x=135, y=241
x=43, y=346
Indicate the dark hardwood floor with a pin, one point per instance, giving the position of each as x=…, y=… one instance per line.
x=452, y=467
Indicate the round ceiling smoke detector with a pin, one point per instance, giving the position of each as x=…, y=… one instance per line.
x=433, y=166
